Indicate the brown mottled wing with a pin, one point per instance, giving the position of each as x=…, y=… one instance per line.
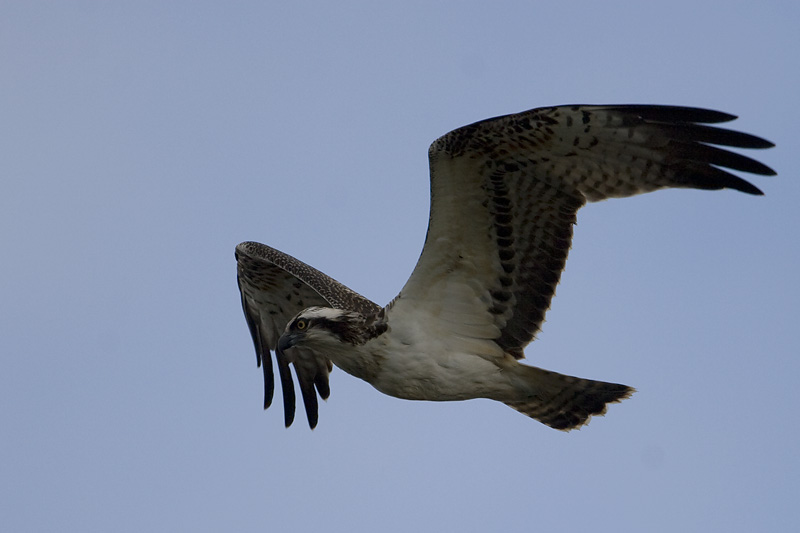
x=274, y=288
x=505, y=193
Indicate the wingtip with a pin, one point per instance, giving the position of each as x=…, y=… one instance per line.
x=313, y=418
x=746, y=187
x=288, y=417
x=674, y=113
x=312, y=414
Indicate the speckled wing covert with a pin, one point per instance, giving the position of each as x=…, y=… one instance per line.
x=274, y=288
x=505, y=193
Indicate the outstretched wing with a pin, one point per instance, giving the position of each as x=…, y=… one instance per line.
x=505, y=193
x=274, y=288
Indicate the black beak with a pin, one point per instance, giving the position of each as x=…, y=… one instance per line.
x=284, y=343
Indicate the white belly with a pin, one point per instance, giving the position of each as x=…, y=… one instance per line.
x=434, y=374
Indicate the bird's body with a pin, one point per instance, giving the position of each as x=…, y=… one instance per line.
x=416, y=364
x=504, y=197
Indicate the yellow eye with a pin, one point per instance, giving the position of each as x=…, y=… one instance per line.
x=301, y=324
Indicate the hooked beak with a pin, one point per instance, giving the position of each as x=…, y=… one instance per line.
x=284, y=343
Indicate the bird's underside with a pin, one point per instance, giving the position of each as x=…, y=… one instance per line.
x=504, y=197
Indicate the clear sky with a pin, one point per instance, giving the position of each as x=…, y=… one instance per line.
x=141, y=141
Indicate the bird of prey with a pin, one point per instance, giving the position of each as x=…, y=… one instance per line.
x=504, y=197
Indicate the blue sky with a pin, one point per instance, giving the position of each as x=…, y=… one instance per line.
x=141, y=141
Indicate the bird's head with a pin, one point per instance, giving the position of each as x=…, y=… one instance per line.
x=325, y=327
x=320, y=335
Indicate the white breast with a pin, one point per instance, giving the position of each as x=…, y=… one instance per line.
x=417, y=362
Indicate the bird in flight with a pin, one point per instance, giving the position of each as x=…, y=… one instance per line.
x=505, y=193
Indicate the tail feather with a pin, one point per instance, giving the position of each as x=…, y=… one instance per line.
x=566, y=402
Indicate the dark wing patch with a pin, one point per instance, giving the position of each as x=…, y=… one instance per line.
x=510, y=187
x=530, y=273
x=275, y=287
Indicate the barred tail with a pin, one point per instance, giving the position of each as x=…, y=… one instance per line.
x=565, y=402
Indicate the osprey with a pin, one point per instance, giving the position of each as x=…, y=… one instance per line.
x=504, y=197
